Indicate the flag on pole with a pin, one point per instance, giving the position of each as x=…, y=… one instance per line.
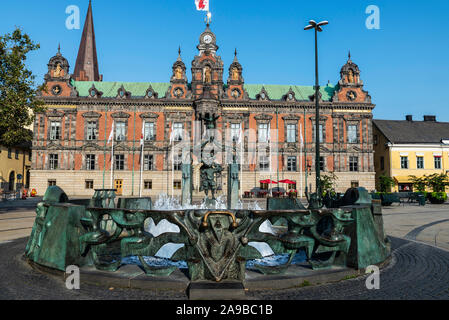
x=172, y=135
x=202, y=5
x=300, y=136
x=111, y=136
x=142, y=135
x=142, y=142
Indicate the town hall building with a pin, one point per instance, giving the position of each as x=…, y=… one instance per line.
x=272, y=124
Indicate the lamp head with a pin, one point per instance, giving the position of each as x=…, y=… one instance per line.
x=317, y=26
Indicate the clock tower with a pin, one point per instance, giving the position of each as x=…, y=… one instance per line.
x=207, y=68
x=207, y=79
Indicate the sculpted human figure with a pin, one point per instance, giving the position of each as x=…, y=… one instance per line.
x=57, y=72
x=351, y=76
x=178, y=73
x=207, y=75
x=207, y=174
x=235, y=74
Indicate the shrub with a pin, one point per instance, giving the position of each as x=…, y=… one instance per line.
x=386, y=183
x=438, y=197
x=437, y=182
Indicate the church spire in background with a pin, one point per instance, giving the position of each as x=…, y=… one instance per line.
x=86, y=67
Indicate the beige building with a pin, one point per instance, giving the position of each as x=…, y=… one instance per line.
x=15, y=165
x=405, y=148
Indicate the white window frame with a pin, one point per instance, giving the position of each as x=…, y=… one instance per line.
x=352, y=133
x=149, y=132
x=120, y=131
x=55, y=130
x=292, y=133
x=264, y=132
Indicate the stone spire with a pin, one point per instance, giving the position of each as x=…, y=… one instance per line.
x=86, y=67
x=235, y=56
x=179, y=54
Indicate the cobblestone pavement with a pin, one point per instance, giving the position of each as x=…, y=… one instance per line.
x=18, y=281
x=417, y=272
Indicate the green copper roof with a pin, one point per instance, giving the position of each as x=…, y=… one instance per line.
x=276, y=92
x=110, y=89
x=138, y=89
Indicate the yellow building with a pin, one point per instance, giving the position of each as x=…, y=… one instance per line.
x=15, y=165
x=404, y=148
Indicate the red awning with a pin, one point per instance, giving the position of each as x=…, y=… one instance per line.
x=287, y=181
x=268, y=181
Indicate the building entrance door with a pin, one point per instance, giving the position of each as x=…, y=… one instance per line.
x=12, y=179
x=118, y=185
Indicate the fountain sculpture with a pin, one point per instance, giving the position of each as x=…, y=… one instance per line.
x=214, y=243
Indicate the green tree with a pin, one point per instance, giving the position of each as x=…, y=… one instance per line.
x=419, y=183
x=437, y=182
x=327, y=183
x=18, y=102
x=386, y=183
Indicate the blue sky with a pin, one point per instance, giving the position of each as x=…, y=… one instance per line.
x=405, y=65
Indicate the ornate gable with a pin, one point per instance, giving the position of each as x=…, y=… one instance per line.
x=178, y=88
x=350, y=85
x=57, y=79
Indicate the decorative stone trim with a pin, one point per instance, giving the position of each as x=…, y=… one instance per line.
x=120, y=116
x=149, y=116
x=92, y=115
x=263, y=118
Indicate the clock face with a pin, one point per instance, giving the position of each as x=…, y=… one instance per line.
x=207, y=39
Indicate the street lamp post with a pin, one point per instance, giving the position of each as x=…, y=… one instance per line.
x=317, y=27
